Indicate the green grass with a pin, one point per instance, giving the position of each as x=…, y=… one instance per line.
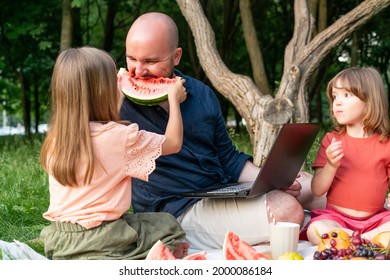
x=24, y=192
x=24, y=187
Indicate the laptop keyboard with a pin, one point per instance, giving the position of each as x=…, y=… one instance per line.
x=236, y=188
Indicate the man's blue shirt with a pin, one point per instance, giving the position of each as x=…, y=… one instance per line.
x=207, y=156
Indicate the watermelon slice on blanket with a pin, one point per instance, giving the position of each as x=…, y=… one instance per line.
x=236, y=249
x=146, y=92
x=160, y=252
x=196, y=256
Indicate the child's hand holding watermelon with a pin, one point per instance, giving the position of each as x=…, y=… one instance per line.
x=177, y=92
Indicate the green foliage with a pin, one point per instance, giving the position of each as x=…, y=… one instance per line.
x=28, y=45
x=28, y=50
x=313, y=152
x=242, y=140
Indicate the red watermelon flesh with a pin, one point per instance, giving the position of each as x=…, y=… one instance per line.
x=160, y=252
x=236, y=249
x=147, y=92
x=196, y=256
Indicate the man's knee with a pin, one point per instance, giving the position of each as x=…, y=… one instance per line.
x=285, y=207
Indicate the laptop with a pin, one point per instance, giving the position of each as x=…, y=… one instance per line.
x=282, y=165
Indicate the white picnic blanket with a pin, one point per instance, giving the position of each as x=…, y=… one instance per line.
x=305, y=249
x=18, y=251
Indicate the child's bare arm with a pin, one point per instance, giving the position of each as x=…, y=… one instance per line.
x=174, y=132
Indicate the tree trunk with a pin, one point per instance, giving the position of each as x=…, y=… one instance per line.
x=319, y=11
x=253, y=45
x=66, y=25
x=109, y=26
x=264, y=114
x=229, y=31
x=26, y=104
x=36, y=106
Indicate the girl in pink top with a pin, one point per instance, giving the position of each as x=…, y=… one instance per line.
x=352, y=167
x=90, y=156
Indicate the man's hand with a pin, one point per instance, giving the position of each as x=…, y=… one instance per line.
x=295, y=188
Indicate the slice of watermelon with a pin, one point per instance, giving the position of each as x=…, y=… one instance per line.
x=147, y=92
x=159, y=252
x=236, y=249
x=196, y=256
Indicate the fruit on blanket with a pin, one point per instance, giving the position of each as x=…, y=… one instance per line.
x=196, y=256
x=338, y=239
x=236, y=249
x=159, y=252
x=358, y=259
x=382, y=238
x=359, y=248
x=291, y=256
x=147, y=92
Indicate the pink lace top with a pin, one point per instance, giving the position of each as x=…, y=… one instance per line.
x=120, y=152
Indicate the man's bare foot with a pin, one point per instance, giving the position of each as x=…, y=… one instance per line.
x=181, y=250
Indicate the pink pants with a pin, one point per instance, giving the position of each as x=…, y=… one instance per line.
x=352, y=223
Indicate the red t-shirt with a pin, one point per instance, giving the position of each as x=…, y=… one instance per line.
x=362, y=179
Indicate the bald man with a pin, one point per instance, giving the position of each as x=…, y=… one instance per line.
x=207, y=157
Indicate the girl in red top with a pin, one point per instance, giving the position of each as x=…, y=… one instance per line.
x=352, y=166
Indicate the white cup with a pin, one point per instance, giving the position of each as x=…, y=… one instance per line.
x=283, y=238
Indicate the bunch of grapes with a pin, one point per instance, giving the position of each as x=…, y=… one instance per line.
x=358, y=248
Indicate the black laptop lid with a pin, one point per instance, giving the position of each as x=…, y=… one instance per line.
x=286, y=157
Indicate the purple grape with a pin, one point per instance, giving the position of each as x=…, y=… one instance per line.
x=380, y=257
x=324, y=255
x=341, y=252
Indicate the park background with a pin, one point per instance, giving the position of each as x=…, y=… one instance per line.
x=267, y=60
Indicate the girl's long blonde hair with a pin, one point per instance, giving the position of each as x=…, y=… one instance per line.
x=83, y=90
x=366, y=84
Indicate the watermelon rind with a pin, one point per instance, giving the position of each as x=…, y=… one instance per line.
x=146, y=102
